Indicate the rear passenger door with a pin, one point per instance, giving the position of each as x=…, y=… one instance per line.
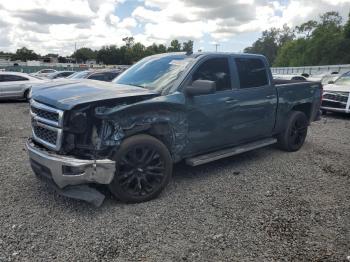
x=255, y=101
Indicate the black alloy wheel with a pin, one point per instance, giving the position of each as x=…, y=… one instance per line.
x=294, y=135
x=143, y=169
x=298, y=132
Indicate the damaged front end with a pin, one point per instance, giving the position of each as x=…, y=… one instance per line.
x=171, y=127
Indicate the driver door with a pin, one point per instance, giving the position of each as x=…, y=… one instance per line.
x=208, y=114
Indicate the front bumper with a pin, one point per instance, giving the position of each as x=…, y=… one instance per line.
x=332, y=109
x=69, y=174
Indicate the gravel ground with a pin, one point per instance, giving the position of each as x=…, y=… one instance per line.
x=265, y=205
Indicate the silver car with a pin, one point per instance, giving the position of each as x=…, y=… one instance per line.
x=15, y=85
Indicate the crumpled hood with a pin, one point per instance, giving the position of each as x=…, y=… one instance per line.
x=66, y=94
x=336, y=88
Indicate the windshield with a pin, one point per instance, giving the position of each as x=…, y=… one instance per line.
x=344, y=79
x=156, y=73
x=79, y=75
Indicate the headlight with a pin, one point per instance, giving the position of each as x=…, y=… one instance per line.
x=30, y=93
x=78, y=122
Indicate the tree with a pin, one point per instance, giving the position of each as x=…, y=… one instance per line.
x=307, y=28
x=83, y=54
x=109, y=55
x=187, y=46
x=347, y=28
x=175, y=46
x=62, y=59
x=331, y=18
x=129, y=41
x=266, y=45
x=322, y=43
x=25, y=54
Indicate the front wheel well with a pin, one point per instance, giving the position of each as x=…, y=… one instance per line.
x=160, y=131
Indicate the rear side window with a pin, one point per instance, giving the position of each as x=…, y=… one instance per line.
x=217, y=70
x=64, y=74
x=11, y=78
x=251, y=72
x=112, y=75
x=99, y=76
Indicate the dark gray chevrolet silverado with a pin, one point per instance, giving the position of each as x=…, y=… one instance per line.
x=166, y=108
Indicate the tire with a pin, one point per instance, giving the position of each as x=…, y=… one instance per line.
x=293, y=137
x=324, y=112
x=25, y=95
x=143, y=169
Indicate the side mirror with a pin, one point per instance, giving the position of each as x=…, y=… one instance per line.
x=201, y=87
x=331, y=82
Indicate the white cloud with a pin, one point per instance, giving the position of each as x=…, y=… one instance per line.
x=49, y=25
x=55, y=26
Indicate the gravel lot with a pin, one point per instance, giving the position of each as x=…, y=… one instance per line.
x=265, y=205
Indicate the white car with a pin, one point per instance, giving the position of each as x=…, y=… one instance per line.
x=15, y=85
x=324, y=78
x=336, y=95
x=44, y=72
x=290, y=77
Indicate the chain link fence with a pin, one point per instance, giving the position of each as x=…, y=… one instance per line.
x=310, y=69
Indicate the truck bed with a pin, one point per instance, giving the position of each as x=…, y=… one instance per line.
x=284, y=81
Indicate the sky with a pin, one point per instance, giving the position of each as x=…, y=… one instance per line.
x=57, y=26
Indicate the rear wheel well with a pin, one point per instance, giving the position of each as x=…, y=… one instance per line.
x=305, y=108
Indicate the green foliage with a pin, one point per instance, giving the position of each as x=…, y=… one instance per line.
x=270, y=41
x=319, y=43
x=175, y=46
x=188, y=46
x=132, y=52
x=127, y=54
x=84, y=54
x=322, y=42
x=347, y=29
x=24, y=54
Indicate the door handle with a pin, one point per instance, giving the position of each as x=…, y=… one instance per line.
x=231, y=101
x=270, y=96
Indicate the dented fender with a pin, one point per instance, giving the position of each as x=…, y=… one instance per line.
x=166, y=121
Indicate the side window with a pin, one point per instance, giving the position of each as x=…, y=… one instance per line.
x=217, y=70
x=10, y=78
x=99, y=76
x=65, y=74
x=112, y=75
x=251, y=72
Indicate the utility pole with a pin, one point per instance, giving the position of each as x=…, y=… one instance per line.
x=75, y=50
x=216, y=46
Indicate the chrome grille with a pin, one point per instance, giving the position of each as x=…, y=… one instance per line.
x=52, y=116
x=47, y=125
x=336, y=96
x=45, y=134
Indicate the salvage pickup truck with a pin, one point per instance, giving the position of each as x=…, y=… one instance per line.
x=166, y=108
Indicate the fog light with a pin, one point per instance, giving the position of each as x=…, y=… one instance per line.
x=72, y=170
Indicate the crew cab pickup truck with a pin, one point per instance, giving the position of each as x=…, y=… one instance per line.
x=164, y=109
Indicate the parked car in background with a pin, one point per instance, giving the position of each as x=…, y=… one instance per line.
x=14, y=85
x=106, y=75
x=336, y=96
x=80, y=74
x=166, y=108
x=59, y=74
x=290, y=77
x=324, y=78
x=44, y=72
